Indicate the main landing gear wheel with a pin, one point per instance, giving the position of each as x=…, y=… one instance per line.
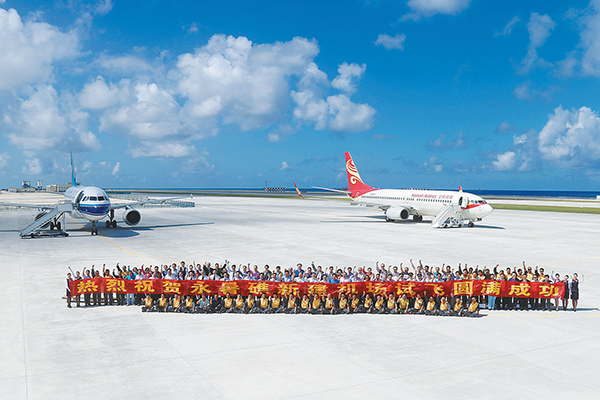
x=114, y=223
x=471, y=224
x=51, y=226
x=107, y=224
x=417, y=218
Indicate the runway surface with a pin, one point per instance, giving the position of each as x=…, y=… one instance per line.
x=48, y=351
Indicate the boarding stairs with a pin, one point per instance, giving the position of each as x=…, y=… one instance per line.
x=34, y=228
x=446, y=216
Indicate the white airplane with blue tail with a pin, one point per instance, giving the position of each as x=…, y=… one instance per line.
x=89, y=203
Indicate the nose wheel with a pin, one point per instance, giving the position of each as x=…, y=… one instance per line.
x=111, y=223
x=94, y=229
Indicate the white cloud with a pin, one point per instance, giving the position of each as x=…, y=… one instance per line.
x=87, y=166
x=525, y=92
x=124, y=64
x=152, y=114
x=539, y=28
x=241, y=83
x=103, y=7
x=117, y=169
x=428, y=8
x=505, y=127
x=586, y=57
x=192, y=28
x=571, y=138
x=389, y=42
x=346, y=116
x=197, y=165
x=441, y=142
x=99, y=95
x=285, y=166
x=33, y=167
x=348, y=73
x=433, y=164
x=505, y=162
x=509, y=27
x=4, y=160
x=28, y=50
x=161, y=149
x=44, y=122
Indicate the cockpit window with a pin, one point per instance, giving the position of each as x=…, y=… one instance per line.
x=86, y=198
x=101, y=198
x=93, y=198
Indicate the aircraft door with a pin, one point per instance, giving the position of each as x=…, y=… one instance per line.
x=78, y=199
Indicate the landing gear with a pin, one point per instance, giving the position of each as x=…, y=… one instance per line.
x=388, y=219
x=417, y=218
x=111, y=221
x=471, y=224
x=94, y=228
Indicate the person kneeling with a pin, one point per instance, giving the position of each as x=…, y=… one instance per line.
x=444, y=309
x=203, y=305
x=304, y=305
x=148, y=304
x=431, y=309
x=473, y=309
x=418, y=306
x=162, y=303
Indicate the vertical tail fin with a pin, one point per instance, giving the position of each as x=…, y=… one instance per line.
x=356, y=186
x=73, y=179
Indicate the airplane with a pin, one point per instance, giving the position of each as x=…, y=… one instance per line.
x=90, y=203
x=448, y=208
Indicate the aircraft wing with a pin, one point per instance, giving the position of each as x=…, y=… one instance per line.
x=140, y=203
x=25, y=205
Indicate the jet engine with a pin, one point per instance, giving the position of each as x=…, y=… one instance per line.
x=396, y=213
x=132, y=217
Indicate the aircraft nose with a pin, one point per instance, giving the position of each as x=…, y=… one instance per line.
x=487, y=210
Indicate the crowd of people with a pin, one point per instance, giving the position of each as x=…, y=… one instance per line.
x=226, y=271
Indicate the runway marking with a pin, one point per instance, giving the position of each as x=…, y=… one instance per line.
x=138, y=256
x=499, y=315
x=547, y=316
x=592, y=315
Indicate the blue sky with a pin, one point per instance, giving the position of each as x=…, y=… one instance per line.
x=423, y=93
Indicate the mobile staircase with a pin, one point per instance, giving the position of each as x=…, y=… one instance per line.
x=446, y=217
x=36, y=228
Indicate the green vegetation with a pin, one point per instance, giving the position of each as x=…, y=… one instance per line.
x=527, y=207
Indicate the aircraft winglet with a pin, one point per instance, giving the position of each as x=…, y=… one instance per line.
x=297, y=190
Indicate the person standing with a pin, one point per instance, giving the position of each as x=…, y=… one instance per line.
x=565, y=298
x=575, y=290
x=69, y=279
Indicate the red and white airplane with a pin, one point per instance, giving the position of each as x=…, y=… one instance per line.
x=448, y=208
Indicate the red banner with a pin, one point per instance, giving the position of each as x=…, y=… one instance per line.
x=438, y=289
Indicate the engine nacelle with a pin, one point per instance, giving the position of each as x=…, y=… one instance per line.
x=396, y=213
x=132, y=217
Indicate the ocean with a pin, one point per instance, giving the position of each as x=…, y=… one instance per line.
x=581, y=194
